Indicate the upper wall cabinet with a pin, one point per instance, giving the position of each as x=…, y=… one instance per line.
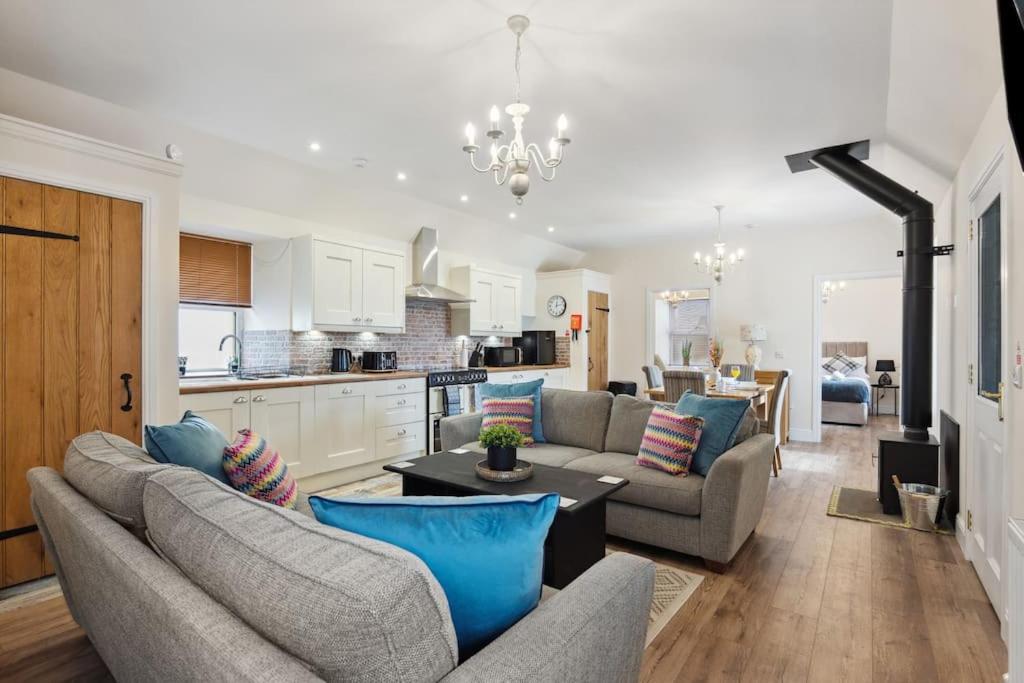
x=497, y=306
x=345, y=288
x=214, y=271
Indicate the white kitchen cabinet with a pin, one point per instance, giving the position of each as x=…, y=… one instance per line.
x=228, y=411
x=337, y=284
x=346, y=288
x=285, y=418
x=497, y=306
x=345, y=424
x=554, y=378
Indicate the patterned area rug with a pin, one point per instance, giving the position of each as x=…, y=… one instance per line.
x=672, y=587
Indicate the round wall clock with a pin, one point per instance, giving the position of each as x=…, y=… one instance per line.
x=556, y=306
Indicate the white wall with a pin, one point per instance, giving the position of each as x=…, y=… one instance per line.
x=774, y=286
x=54, y=157
x=869, y=310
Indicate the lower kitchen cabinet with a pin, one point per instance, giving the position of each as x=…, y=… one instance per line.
x=344, y=419
x=285, y=418
x=554, y=378
x=323, y=430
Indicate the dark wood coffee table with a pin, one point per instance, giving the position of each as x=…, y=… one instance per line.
x=575, y=541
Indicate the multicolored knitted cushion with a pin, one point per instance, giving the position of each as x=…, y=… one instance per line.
x=257, y=470
x=670, y=440
x=516, y=411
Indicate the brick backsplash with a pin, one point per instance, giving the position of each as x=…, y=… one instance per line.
x=562, y=346
x=427, y=342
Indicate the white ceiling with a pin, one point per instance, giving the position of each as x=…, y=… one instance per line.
x=674, y=105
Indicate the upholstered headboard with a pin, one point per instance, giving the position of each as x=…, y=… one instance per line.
x=852, y=349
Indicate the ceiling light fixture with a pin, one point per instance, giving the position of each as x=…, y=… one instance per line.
x=464, y=198
x=715, y=263
x=314, y=146
x=828, y=288
x=511, y=162
x=512, y=214
x=551, y=228
x=675, y=297
x=400, y=176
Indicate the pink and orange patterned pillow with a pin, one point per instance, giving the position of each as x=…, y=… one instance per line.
x=257, y=470
x=516, y=411
x=670, y=440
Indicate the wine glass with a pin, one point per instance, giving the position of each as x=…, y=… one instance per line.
x=735, y=372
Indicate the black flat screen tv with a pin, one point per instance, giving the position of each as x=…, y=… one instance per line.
x=1011, y=40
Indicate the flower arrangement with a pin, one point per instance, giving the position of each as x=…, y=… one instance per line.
x=715, y=352
x=501, y=436
x=687, y=349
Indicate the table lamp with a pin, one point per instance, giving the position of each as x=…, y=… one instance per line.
x=885, y=367
x=750, y=334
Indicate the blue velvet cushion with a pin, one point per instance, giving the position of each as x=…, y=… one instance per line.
x=722, y=417
x=487, y=552
x=193, y=442
x=488, y=390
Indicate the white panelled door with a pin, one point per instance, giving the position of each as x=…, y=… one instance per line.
x=987, y=505
x=338, y=284
x=383, y=289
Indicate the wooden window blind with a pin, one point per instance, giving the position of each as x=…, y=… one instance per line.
x=214, y=271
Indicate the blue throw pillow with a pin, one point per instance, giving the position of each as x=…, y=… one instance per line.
x=487, y=552
x=488, y=390
x=193, y=442
x=722, y=417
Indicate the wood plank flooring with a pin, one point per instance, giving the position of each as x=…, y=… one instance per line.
x=808, y=598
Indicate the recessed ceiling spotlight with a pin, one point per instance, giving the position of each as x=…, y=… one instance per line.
x=512, y=214
x=360, y=162
x=551, y=228
x=464, y=198
x=401, y=175
x=314, y=146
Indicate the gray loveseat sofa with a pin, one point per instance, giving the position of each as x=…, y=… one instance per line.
x=593, y=432
x=176, y=577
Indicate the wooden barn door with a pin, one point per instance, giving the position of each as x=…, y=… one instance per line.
x=70, y=326
x=597, y=341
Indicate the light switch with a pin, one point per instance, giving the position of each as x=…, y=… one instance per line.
x=780, y=355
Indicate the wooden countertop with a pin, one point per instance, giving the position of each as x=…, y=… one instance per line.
x=522, y=368
x=215, y=384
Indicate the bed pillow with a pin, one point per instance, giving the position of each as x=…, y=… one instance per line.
x=257, y=470
x=193, y=442
x=722, y=418
x=487, y=552
x=669, y=441
x=488, y=390
x=515, y=411
x=858, y=373
x=840, y=363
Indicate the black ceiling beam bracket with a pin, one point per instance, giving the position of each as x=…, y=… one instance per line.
x=937, y=250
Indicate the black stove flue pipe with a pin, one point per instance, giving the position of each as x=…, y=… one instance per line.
x=846, y=163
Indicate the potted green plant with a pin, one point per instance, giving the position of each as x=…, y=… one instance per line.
x=501, y=441
x=687, y=349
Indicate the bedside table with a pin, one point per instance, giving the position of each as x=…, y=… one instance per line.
x=895, y=398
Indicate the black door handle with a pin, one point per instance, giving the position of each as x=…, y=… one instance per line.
x=127, y=378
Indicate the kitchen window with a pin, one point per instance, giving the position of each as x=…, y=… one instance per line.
x=199, y=333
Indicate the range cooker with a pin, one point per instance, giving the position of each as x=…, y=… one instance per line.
x=449, y=392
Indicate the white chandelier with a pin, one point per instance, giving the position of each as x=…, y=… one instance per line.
x=715, y=263
x=675, y=297
x=511, y=162
x=828, y=288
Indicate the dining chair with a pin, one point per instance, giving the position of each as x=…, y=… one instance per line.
x=659, y=363
x=746, y=371
x=655, y=379
x=678, y=382
x=774, y=424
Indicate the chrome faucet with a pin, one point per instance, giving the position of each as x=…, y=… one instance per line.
x=235, y=363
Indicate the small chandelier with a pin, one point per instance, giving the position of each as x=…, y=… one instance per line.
x=511, y=162
x=675, y=298
x=828, y=288
x=715, y=263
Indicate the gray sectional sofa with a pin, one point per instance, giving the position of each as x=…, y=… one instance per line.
x=593, y=432
x=177, y=577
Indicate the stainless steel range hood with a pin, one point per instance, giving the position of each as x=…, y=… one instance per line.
x=424, y=264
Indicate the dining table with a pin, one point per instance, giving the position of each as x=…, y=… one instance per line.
x=759, y=397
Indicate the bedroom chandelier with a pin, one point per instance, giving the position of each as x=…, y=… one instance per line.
x=674, y=298
x=511, y=162
x=828, y=288
x=716, y=262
